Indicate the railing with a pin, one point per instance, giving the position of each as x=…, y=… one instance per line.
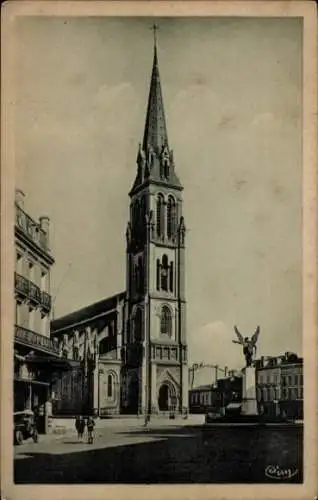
x=46, y=301
x=21, y=284
x=35, y=293
x=31, y=228
x=31, y=291
x=35, y=340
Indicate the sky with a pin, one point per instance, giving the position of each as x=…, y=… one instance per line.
x=232, y=90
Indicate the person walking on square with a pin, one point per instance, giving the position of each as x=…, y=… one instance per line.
x=77, y=426
x=90, y=429
x=80, y=426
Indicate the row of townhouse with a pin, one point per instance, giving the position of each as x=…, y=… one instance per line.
x=279, y=388
x=279, y=385
x=36, y=357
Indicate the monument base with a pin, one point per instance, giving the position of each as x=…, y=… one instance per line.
x=249, y=401
x=249, y=407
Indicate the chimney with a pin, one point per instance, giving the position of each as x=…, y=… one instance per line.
x=225, y=371
x=45, y=226
x=19, y=198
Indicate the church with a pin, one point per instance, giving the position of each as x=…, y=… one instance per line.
x=129, y=351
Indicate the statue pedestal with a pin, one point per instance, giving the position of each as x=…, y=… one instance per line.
x=249, y=401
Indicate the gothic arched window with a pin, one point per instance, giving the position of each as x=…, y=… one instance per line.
x=171, y=277
x=140, y=275
x=164, y=273
x=166, y=167
x=171, y=217
x=139, y=272
x=135, y=218
x=110, y=385
x=135, y=278
x=165, y=164
x=166, y=321
x=75, y=353
x=158, y=274
x=138, y=324
x=142, y=217
x=160, y=215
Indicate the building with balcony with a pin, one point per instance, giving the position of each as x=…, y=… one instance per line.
x=91, y=339
x=292, y=387
x=279, y=385
x=36, y=357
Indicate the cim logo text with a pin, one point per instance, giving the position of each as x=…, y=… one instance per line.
x=277, y=472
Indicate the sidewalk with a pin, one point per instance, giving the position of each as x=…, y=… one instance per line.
x=65, y=428
x=61, y=426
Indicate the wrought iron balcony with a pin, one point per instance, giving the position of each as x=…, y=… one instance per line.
x=22, y=285
x=35, y=295
x=46, y=301
x=35, y=340
x=31, y=228
x=29, y=290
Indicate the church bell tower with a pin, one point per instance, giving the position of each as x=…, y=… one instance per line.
x=155, y=373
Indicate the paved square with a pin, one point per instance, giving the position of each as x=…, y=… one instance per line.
x=194, y=454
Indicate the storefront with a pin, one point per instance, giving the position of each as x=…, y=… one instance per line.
x=33, y=395
x=33, y=377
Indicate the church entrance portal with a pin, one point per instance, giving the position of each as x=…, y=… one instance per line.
x=166, y=398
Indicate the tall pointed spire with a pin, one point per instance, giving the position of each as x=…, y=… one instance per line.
x=155, y=159
x=155, y=134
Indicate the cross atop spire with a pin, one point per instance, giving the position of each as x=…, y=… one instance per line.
x=154, y=28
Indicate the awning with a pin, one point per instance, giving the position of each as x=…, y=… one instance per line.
x=234, y=406
x=57, y=363
x=19, y=357
x=30, y=381
x=24, y=412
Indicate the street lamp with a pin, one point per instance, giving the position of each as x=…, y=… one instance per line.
x=198, y=366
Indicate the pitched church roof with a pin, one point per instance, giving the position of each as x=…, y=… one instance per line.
x=155, y=159
x=87, y=314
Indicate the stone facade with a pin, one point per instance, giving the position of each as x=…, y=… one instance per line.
x=34, y=351
x=139, y=364
x=155, y=341
x=279, y=383
x=218, y=396
x=91, y=339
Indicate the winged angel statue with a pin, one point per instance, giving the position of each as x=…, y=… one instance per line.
x=249, y=344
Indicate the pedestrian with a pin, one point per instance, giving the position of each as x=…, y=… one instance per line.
x=90, y=429
x=147, y=420
x=36, y=417
x=77, y=426
x=80, y=426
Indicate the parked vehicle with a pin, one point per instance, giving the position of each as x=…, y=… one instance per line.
x=24, y=426
x=212, y=415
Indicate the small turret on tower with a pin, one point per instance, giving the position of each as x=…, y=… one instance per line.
x=155, y=159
